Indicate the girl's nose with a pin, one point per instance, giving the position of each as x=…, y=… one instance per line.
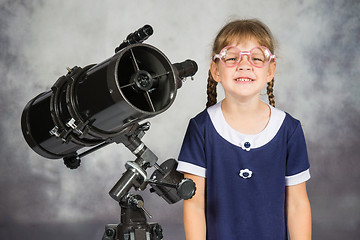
x=244, y=63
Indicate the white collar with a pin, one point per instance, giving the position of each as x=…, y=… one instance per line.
x=245, y=141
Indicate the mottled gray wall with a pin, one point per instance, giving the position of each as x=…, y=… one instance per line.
x=317, y=81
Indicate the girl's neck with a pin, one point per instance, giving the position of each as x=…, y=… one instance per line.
x=248, y=117
x=244, y=108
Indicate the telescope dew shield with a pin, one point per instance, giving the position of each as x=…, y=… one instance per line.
x=93, y=104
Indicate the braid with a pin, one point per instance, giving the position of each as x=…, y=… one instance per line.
x=211, y=91
x=270, y=92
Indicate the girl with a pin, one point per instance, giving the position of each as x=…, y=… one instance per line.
x=248, y=159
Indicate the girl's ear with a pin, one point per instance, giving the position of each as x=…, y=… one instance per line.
x=271, y=72
x=215, y=71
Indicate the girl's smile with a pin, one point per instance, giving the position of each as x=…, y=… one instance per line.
x=242, y=79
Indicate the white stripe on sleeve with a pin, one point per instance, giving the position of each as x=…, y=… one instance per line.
x=297, y=178
x=185, y=167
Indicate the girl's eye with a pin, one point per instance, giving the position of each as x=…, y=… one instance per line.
x=255, y=59
x=258, y=57
x=233, y=59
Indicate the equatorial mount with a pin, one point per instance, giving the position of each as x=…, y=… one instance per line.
x=165, y=181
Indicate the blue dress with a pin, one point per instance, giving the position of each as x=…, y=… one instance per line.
x=245, y=175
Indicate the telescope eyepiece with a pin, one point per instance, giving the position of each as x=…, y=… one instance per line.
x=138, y=36
x=185, y=69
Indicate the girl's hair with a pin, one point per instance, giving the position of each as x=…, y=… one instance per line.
x=237, y=31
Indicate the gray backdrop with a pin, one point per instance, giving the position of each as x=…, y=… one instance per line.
x=317, y=81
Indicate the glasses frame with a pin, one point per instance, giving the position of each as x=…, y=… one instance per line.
x=241, y=53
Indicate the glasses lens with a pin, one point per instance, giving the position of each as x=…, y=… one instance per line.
x=260, y=56
x=230, y=56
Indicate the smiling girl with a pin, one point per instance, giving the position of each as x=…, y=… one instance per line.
x=248, y=159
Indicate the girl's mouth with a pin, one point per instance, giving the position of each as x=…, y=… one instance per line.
x=244, y=80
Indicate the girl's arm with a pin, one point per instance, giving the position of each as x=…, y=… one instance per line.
x=194, y=211
x=298, y=212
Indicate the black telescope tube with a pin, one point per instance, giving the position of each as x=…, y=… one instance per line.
x=92, y=105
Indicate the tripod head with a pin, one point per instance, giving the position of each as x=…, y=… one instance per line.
x=165, y=181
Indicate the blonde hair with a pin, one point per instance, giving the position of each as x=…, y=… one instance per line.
x=237, y=31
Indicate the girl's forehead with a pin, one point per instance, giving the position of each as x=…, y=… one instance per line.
x=239, y=37
x=245, y=43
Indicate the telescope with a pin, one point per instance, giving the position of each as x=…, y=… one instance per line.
x=99, y=104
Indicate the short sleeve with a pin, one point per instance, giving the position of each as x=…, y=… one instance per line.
x=297, y=164
x=192, y=153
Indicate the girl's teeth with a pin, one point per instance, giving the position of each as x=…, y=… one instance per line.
x=243, y=80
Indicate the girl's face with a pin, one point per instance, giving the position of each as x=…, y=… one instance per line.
x=244, y=80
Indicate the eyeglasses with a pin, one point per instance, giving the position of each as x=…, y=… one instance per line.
x=259, y=56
